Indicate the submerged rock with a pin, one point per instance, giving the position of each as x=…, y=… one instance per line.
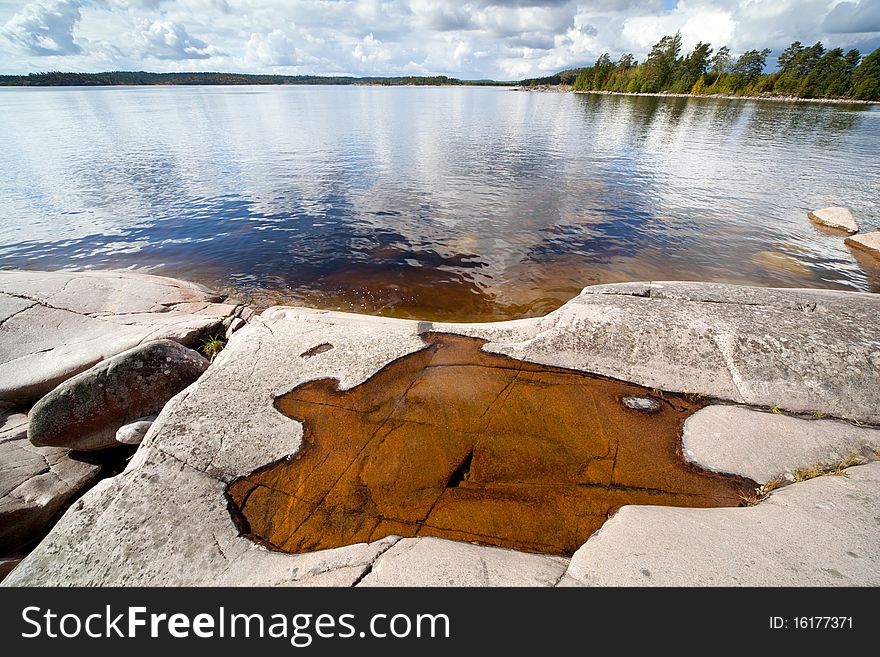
x=782, y=262
x=453, y=442
x=869, y=242
x=835, y=217
x=54, y=325
x=643, y=404
x=86, y=411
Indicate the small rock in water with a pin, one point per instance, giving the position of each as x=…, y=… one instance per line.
x=644, y=404
x=133, y=433
x=838, y=218
x=869, y=242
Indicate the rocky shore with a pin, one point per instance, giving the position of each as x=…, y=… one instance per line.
x=778, y=99
x=780, y=389
x=562, y=88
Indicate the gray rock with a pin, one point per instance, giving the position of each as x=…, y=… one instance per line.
x=765, y=446
x=86, y=411
x=164, y=521
x=7, y=565
x=54, y=325
x=133, y=433
x=13, y=426
x=234, y=325
x=869, y=242
x=821, y=532
x=438, y=562
x=803, y=350
x=643, y=404
x=35, y=483
x=167, y=514
x=835, y=217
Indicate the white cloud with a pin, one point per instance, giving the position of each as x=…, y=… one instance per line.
x=370, y=50
x=273, y=49
x=471, y=39
x=164, y=39
x=45, y=27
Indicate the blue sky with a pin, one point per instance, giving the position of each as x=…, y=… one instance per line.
x=473, y=39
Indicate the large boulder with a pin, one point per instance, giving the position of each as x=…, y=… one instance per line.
x=54, y=325
x=86, y=411
x=35, y=483
x=836, y=217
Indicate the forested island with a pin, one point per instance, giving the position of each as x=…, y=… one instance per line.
x=143, y=78
x=802, y=72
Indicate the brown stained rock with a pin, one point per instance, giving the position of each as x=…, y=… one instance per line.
x=462, y=444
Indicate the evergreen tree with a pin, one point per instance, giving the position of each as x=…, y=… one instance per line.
x=662, y=63
x=866, y=78
x=787, y=59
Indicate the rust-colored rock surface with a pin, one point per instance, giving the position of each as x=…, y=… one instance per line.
x=472, y=446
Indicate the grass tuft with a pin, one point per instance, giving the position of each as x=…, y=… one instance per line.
x=211, y=346
x=761, y=492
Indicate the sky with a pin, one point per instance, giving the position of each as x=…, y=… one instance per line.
x=476, y=39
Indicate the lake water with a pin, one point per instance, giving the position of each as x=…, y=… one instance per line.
x=441, y=203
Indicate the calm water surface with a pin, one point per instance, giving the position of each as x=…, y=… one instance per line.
x=442, y=203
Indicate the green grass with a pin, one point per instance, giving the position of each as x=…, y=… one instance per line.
x=211, y=346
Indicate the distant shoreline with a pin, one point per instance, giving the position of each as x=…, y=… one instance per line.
x=781, y=99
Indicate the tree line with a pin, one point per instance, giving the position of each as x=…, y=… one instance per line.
x=119, y=78
x=802, y=71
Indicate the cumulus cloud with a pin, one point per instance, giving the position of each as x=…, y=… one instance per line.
x=501, y=39
x=45, y=27
x=370, y=50
x=273, y=49
x=164, y=39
